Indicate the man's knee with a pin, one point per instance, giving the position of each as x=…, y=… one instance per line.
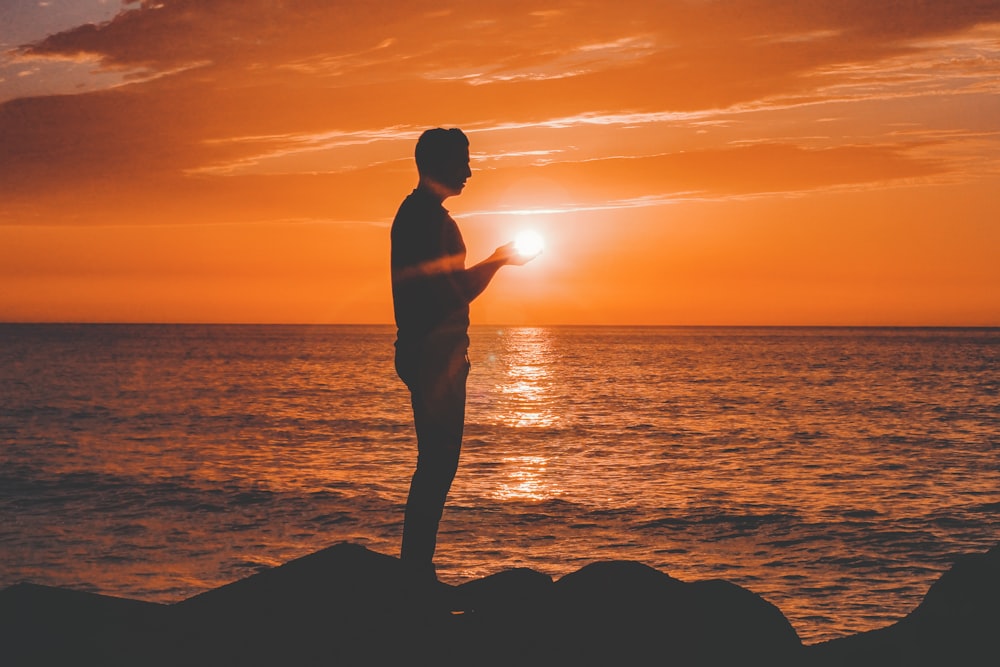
x=439, y=461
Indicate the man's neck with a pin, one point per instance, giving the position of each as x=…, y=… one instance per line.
x=434, y=189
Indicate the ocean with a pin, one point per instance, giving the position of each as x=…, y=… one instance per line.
x=834, y=471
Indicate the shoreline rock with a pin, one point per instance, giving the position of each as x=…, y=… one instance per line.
x=346, y=605
x=957, y=623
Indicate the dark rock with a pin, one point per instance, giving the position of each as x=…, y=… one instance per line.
x=620, y=613
x=957, y=623
x=738, y=624
x=506, y=622
x=41, y=625
x=962, y=606
x=510, y=589
x=342, y=605
x=348, y=605
x=629, y=613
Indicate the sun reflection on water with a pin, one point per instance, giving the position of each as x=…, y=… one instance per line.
x=524, y=387
x=526, y=479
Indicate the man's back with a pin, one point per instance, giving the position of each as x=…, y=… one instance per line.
x=428, y=257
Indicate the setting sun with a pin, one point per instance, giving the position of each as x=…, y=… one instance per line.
x=529, y=243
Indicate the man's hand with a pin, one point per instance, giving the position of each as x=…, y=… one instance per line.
x=508, y=254
x=476, y=278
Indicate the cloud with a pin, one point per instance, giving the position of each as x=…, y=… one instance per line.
x=735, y=172
x=26, y=21
x=573, y=62
x=249, y=88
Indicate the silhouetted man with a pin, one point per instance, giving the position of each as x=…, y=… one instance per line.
x=431, y=292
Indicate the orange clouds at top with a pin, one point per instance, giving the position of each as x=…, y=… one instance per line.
x=696, y=162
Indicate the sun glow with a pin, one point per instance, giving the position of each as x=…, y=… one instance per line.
x=529, y=243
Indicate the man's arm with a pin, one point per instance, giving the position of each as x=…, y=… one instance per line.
x=426, y=292
x=475, y=279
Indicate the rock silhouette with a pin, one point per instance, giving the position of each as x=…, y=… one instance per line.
x=957, y=623
x=346, y=605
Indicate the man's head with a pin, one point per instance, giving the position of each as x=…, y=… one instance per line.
x=443, y=159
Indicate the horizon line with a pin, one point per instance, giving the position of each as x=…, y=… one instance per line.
x=563, y=325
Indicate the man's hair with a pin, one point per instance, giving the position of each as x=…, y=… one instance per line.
x=438, y=149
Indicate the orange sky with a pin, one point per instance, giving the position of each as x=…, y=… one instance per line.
x=690, y=162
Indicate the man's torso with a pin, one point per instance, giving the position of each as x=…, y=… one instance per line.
x=428, y=261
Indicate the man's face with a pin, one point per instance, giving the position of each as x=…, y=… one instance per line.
x=454, y=174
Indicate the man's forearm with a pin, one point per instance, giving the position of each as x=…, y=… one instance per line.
x=476, y=278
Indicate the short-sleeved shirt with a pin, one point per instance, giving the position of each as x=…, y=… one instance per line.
x=428, y=262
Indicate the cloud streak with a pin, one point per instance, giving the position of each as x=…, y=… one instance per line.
x=581, y=65
x=258, y=116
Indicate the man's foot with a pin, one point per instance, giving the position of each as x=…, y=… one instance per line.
x=423, y=587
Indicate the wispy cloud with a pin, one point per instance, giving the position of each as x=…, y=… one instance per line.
x=570, y=62
x=252, y=88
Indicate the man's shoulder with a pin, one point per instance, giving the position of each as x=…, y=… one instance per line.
x=419, y=217
x=419, y=204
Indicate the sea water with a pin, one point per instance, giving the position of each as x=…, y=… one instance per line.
x=836, y=472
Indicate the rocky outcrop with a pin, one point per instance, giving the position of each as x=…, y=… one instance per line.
x=624, y=613
x=957, y=623
x=40, y=625
x=346, y=605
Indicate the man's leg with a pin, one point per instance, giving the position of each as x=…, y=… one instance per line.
x=439, y=417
